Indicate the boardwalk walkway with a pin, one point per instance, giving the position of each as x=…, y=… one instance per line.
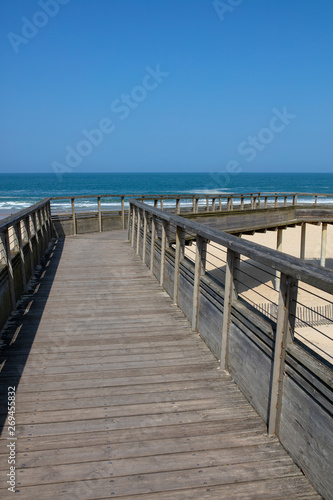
x=119, y=399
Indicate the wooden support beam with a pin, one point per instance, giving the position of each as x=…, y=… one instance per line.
x=199, y=270
x=19, y=238
x=134, y=211
x=35, y=224
x=284, y=334
x=9, y=264
x=279, y=248
x=230, y=294
x=323, y=244
x=178, y=206
x=163, y=246
x=73, y=216
x=99, y=214
x=123, y=212
x=303, y=240
x=152, y=243
x=129, y=221
x=179, y=255
x=28, y=221
x=145, y=215
x=138, y=231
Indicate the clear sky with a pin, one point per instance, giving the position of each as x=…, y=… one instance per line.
x=173, y=85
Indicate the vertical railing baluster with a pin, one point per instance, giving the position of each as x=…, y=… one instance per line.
x=199, y=270
x=230, y=294
x=163, y=246
x=145, y=215
x=10, y=270
x=73, y=216
x=133, y=225
x=17, y=229
x=179, y=255
x=152, y=243
x=123, y=212
x=35, y=225
x=284, y=334
x=99, y=214
x=138, y=231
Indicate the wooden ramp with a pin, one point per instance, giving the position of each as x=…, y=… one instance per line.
x=119, y=399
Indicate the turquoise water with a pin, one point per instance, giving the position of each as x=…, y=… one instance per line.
x=18, y=191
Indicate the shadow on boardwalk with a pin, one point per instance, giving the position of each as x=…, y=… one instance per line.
x=18, y=335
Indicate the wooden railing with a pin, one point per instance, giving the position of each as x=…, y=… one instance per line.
x=72, y=220
x=24, y=238
x=271, y=367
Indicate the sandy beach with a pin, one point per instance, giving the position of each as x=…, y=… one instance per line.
x=256, y=283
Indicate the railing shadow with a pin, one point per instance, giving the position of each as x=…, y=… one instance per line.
x=18, y=337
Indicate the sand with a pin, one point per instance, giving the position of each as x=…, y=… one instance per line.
x=257, y=283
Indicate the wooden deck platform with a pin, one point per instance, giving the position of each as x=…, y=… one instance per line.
x=117, y=398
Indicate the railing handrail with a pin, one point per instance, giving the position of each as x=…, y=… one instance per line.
x=15, y=218
x=192, y=195
x=292, y=266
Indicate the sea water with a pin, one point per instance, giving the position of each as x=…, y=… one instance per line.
x=19, y=191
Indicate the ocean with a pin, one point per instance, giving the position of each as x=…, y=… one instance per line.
x=19, y=191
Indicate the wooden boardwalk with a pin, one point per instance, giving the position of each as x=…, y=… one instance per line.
x=119, y=399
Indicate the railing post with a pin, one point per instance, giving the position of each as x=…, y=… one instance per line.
x=213, y=204
x=275, y=200
x=193, y=204
x=73, y=216
x=279, y=248
x=49, y=219
x=242, y=202
x=129, y=227
x=323, y=244
x=31, y=251
x=285, y=201
x=35, y=224
x=178, y=206
x=155, y=203
x=284, y=335
x=230, y=294
x=17, y=229
x=99, y=214
x=266, y=200
x=133, y=225
x=207, y=203
x=138, y=230
x=220, y=203
x=179, y=255
x=199, y=270
x=196, y=210
x=40, y=222
x=145, y=215
x=152, y=243
x=295, y=199
x=161, y=203
x=123, y=211
x=9, y=264
x=163, y=247
x=303, y=240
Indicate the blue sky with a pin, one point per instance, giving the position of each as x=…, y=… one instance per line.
x=177, y=85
